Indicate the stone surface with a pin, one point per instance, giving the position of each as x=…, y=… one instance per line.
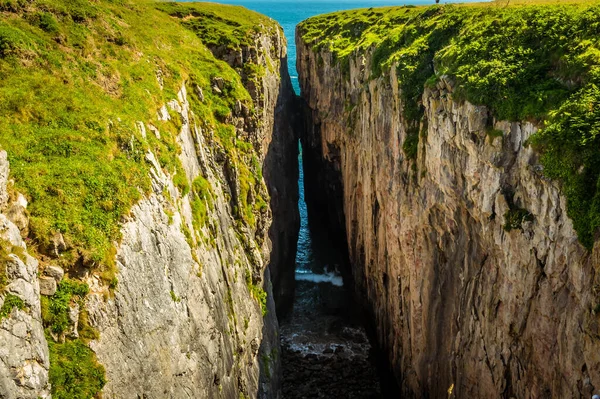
x=47, y=285
x=4, y=170
x=183, y=322
x=56, y=272
x=457, y=300
x=17, y=214
x=23, y=349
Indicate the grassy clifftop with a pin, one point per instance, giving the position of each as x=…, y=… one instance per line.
x=526, y=60
x=76, y=77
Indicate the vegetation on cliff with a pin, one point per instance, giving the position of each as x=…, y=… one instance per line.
x=78, y=79
x=532, y=60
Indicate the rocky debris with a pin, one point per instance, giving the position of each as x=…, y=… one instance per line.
x=47, y=285
x=17, y=214
x=154, y=130
x=73, y=320
x=57, y=245
x=141, y=127
x=56, y=272
x=325, y=353
x=318, y=376
x=218, y=84
x=160, y=78
x=163, y=114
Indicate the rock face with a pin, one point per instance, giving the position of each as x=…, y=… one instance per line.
x=461, y=305
x=186, y=319
x=23, y=349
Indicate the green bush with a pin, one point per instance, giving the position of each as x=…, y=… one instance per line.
x=55, y=309
x=74, y=371
x=47, y=22
x=411, y=145
x=11, y=302
x=514, y=218
x=12, y=40
x=570, y=147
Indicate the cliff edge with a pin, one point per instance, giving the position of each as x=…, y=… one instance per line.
x=454, y=149
x=149, y=143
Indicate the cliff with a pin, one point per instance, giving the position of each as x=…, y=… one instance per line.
x=154, y=162
x=449, y=146
x=24, y=357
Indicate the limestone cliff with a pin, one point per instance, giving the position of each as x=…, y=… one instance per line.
x=24, y=359
x=465, y=304
x=198, y=332
x=162, y=206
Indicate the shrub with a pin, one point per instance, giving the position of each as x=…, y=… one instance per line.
x=47, y=22
x=12, y=40
x=514, y=218
x=55, y=309
x=570, y=146
x=74, y=371
x=10, y=303
x=411, y=145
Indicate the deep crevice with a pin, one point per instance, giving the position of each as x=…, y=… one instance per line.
x=329, y=345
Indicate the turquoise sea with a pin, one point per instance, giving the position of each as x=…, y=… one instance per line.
x=315, y=260
x=288, y=13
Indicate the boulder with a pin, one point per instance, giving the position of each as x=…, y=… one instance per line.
x=56, y=272
x=47, y=285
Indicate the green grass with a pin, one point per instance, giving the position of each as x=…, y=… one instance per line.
x=55, y=309
x=258, y=293
x=219, y=25
x=11, y=302
x=493, y=133
x=76, y=77
x=202, y=201
x=74, y=371
x=531, y=60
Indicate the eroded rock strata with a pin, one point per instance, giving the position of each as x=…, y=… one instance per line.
x=462, y=304
x=213, y=339
x=181, y=302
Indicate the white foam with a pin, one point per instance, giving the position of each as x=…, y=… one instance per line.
x=331, y=278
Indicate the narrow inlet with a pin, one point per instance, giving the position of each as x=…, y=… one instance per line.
x=325, y=349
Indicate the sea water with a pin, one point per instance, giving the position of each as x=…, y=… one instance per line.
x=289, y=13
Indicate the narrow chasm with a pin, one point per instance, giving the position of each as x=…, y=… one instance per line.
x=326, y=352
